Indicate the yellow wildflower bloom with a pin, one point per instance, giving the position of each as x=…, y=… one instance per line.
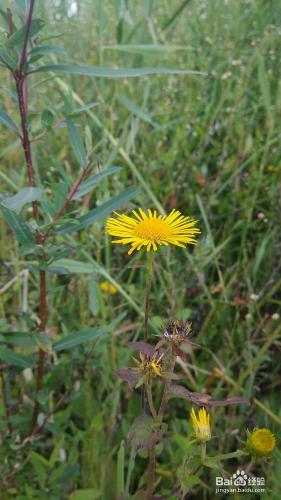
x=260, y=442
x=201, y=425
x=150, y=229
x=105, y=286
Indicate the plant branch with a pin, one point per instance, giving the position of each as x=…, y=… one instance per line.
x=69, y=198
x=151, y=473
x=167, y=385
x=150, y=400
x=26, y=36
x=149, y=273
x=22, y=93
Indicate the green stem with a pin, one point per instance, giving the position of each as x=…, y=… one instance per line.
x=149, y=275
x=150, y=400
x=203, y=452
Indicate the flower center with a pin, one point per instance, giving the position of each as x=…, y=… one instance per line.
x=263, y=441
x=153, y=229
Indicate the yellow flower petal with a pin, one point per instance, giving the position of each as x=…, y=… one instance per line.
x=150, y=230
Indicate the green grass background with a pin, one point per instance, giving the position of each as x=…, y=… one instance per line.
x=206, y=145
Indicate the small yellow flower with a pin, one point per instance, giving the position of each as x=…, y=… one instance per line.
x=105, y=286
x=260, y=442
x=201, y=425
x=148, y=229
x=156, y=368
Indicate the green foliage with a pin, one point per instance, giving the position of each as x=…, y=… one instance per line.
x=195, y=129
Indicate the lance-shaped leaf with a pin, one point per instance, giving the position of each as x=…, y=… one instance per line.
x=142, y=347
x=77, y=144
x=18, y=225
x=7, y=59
x=24, y=196
x=203, y=399
x=101, y=212
x=85, y=335
x=96, y=71
x=130, y=376
x=18, y=36
x=9, y=356
x=90, y=183
x=4, y=118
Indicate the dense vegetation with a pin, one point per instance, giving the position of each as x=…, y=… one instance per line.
x=206, y=144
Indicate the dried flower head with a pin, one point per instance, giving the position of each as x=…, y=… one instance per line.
x=260, y=442
x=177, y=331
x=201, y=425
x=149, y=229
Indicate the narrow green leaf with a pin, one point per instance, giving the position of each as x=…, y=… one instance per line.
x=4, y=17
x=23, y=339
x=80, y=109
x=93, y=294
x=72, y=69
x=45, y=50
x=9, y=356
x=75, y=339
x=7, y=59
x=18, y=36
x=47, y=119
x=85, y=494
x=24, y=196
x=18, y=225
x=75, y=266
x=264, y=86
x=120, y=480
x=77, y=144
x=101, y=212
x=135, y=109
x=146, y=48
x=4, y=118
x=90, y=183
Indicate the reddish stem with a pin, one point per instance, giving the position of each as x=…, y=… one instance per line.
x=26, y=36
x=22, y=93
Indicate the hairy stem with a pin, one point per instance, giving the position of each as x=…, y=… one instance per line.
x=151, y=473
x=150, y=400
x=149, y=274
x=203, y=452
x=167, y=385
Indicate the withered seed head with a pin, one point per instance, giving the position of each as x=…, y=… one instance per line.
x=177, y=331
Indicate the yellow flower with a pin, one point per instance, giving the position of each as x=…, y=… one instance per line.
x=105, y=286
x=201, y=425
x=156, y=368
x=149, y=229
x=260, y=442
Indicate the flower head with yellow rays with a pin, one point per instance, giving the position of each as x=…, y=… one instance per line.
x=260, y=442
x=150, y=230
x=201, y=424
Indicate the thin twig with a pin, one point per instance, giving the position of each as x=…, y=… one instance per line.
x=167, y=386
x=5, y=402
x=69, y=198
x=10, y=22
x=150, y=400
